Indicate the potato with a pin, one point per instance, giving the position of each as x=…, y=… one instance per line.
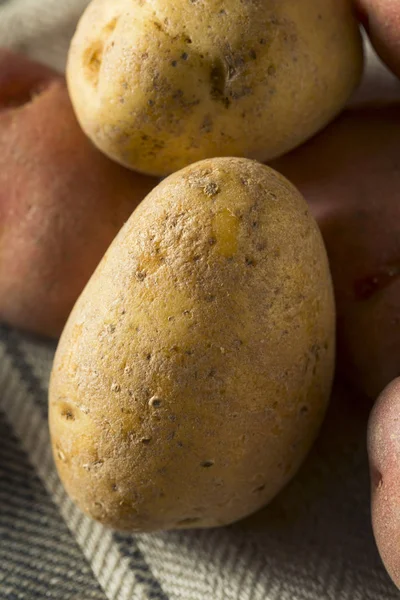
x=350, y=177
x=382, y=21
x=21, y=79
x=158, y=85
x=384, y=456
x=195, y=370
x=61, y=201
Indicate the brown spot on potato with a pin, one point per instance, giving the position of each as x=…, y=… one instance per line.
x=218, y=83
x=206, y=464
x=207, y=124
x=250, y=262
x=93, y=55
x=155, y=402
x=141, y=275
x=233, y=64
x=92, y=58
x=67, y=412
x=211, y=189
x=109, y=28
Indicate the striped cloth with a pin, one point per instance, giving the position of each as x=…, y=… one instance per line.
x=314, y=542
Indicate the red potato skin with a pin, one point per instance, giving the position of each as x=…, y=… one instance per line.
x=61, y=201
x=381, y=19
x=350, y=176
x=384, y=457
x=21, y=79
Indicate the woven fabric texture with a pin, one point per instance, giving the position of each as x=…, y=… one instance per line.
x=314, y=542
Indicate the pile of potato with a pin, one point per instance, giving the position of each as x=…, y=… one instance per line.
x=194, y=371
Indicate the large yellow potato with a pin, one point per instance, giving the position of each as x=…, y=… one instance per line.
x=195, y=369
x=158, y=85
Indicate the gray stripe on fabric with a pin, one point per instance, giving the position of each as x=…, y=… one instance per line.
x=116, y=574
x=38, y=354
x=13, y=340
x=38, y=555
x=129, y=548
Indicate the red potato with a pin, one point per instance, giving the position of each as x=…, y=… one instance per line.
x=382, y=21
x=384, y=456
x=350, y=175
x=61, y=201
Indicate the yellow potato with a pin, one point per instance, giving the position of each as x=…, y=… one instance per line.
x=195, y=369
x=158, y=85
